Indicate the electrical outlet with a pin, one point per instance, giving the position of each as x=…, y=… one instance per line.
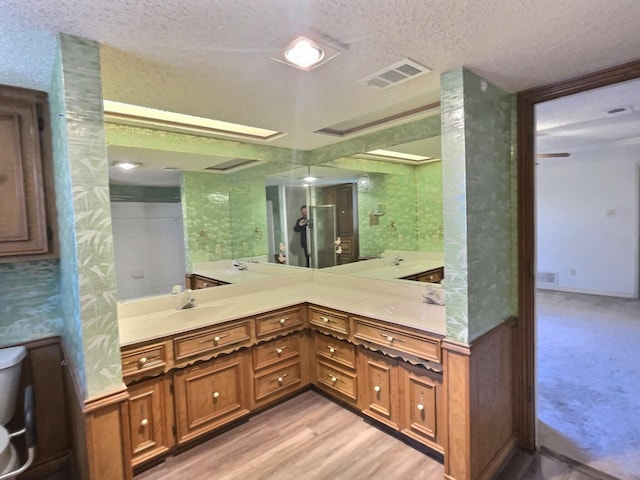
x=572, y=272
x=218, y=248
x=245, y=246
x=401, y=238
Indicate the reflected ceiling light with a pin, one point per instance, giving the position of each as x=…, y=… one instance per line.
x=306, y=54
x=303, y=52
x=309, y=178
x=399, y=155
x=126, y=165
x=136, y=115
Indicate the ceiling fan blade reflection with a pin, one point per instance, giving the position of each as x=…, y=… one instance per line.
x=553, y=155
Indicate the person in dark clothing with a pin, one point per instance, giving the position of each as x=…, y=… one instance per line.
x=301, y=226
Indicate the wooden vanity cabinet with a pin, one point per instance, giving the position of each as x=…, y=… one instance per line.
x=27, y=217
x=151, y=419
x=335, y=368
x=422, y=405
x=378, y=393
x=278, y=369
x=196, y=282
x=210, y=394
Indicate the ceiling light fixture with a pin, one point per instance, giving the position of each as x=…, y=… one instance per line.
x=309, y=178
x=303, y=52
x=399, y=155
x=306, y=54
x=126, y=165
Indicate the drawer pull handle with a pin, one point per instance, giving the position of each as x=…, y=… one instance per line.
x=333, y=379
x=205, y=285
x=216, y=395
x=331, y=349
x=325, y=319
x=142, y=361
x=421, y=406
x=282, y=377
x=215, y=339
x=391, y=338
x=144, y=422
x=377, y=389
x=279, y=350
x=282, y=320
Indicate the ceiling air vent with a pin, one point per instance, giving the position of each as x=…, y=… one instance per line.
x=397, y=73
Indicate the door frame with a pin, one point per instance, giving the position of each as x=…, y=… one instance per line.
x=525, y=343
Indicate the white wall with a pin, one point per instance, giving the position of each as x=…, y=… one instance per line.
x=149, y=248
x=587, y=220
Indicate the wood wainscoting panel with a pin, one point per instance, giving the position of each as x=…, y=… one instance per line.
x=479, y=385
x=43, y=368
x=108, y=437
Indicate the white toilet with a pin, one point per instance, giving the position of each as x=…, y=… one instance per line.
x=10, y=366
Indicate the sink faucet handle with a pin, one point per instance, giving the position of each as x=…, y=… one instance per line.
x=176, y=289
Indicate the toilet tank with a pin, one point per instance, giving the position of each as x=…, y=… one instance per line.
x=10, y=363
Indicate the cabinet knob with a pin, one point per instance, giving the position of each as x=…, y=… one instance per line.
x=282, y=320
x=144, y=422
x=331, y=349
x=421, y=406
x=205, y=285
x=142, y=361
x=324, y=319
x=333, y=379
x=216, y=339
x=377, y=389
x=281, y=377
x=216, y=394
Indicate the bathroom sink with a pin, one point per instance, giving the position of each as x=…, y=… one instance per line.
x=197, y=313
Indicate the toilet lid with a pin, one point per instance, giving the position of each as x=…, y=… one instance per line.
x=8, y=457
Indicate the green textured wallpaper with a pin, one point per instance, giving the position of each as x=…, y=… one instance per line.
x=477, y=178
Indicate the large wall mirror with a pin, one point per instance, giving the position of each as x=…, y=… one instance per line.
x=364, y=198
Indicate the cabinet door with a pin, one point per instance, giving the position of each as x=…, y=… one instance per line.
x=23, y=223
x=378, y=393
x=210, y=395
x=151, y=419
x=422, y=409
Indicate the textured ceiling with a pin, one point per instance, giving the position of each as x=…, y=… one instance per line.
x=211, y=58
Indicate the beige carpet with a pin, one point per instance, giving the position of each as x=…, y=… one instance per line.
x=588, y=386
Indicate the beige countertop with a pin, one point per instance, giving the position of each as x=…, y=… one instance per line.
x=397, y=302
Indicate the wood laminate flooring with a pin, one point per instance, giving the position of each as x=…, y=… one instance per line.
x=306, y=438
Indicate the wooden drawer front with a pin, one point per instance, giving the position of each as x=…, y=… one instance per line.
x=401, y=340
x=280, y=380
x=218, y=338
x=210, y=395
x=149, y=417
x=279, y=322
x=144, y=360
x=432, y=276
x=337, y=380
x=379, y=387
x=421, y=406
x=281, y=349
x=329, y=320
x=200, y=282
x=337, y=350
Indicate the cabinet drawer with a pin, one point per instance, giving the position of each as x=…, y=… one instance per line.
x=275, y=351
x=337, y=380
x=329, y=320
x=208, y=341
x=336, y=350
x=144, y=360
x=432, y=276
x=403, y=340
x=278, y=381
x=279, y=322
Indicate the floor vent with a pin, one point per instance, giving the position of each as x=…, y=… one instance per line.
x=547, y=278
x=397, y=73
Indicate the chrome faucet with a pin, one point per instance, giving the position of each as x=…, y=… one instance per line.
x=185, y=299
x=240, y=265
x=396, y=260
x=431, y=296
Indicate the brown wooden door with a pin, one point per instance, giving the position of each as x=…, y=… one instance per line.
x=151, y=419
x=210, y=394
x=343, y=197
x=422, y=407
x=378, y=395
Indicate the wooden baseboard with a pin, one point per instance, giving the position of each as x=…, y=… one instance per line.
x=48, y=467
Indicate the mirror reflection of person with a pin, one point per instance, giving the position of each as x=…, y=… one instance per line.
x=301, y=226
